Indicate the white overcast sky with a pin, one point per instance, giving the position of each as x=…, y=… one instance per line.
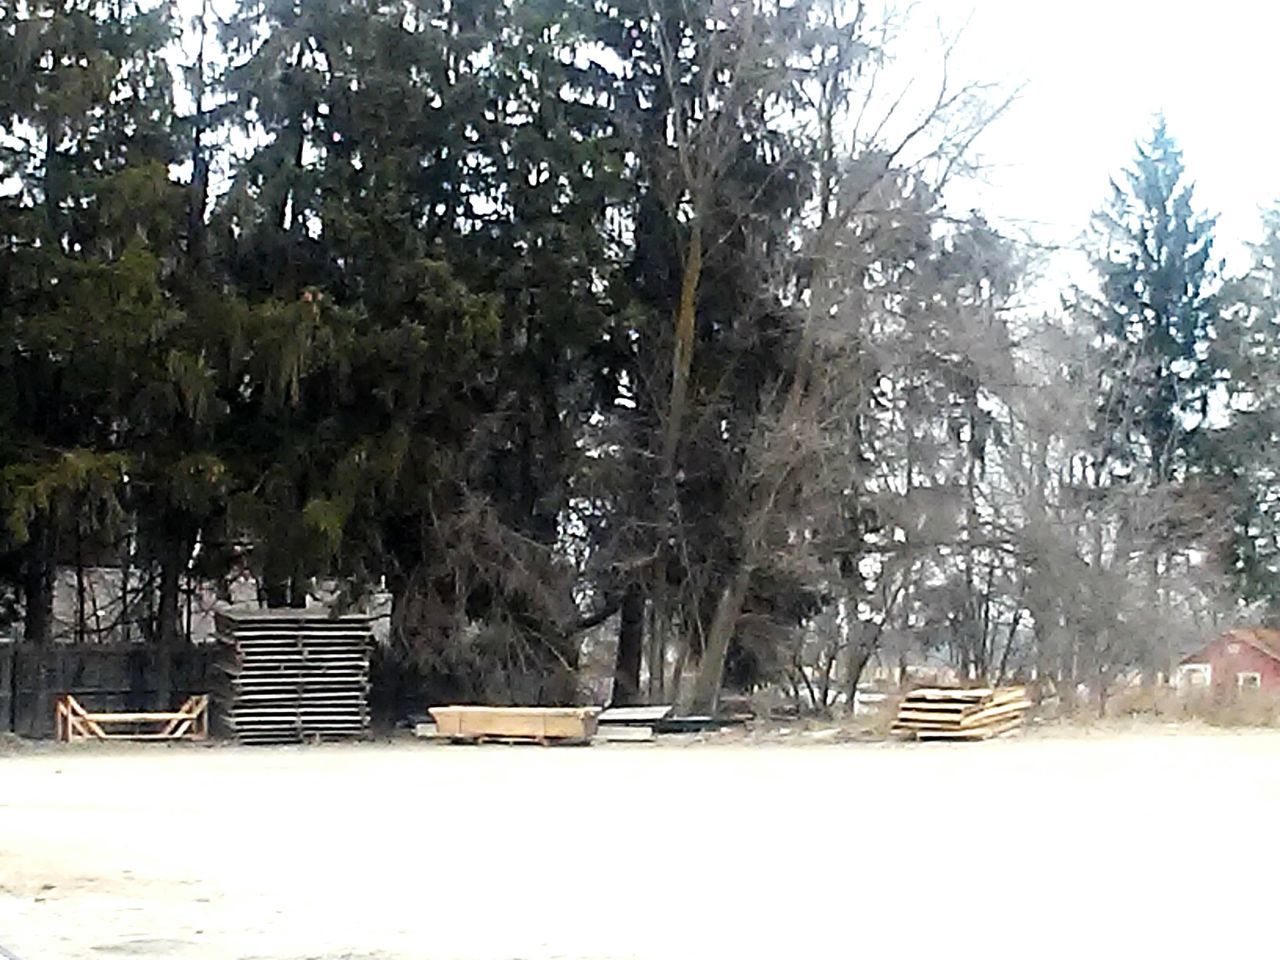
x=1096, y=74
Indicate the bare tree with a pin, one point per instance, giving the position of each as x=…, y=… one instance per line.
x=873, y=219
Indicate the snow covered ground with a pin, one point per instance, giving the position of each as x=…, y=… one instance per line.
x=1143, y=844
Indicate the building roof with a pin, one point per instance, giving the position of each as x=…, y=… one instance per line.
x=1261, y=639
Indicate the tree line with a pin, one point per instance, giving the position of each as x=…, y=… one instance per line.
x=557, y=319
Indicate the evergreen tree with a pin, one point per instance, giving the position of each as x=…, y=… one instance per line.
x=86, y=112
x=1245, y=450
x=1153, y=317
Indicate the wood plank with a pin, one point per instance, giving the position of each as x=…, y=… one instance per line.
x=264, y=663
x=941, y=693
x=623, y=733
x=908, y=719
x=640, y=715
x=295, y=657
x=954, y=711
x=1016, y=707
x=980, y=733
x=151, y=717
x=300, y=730
x=139, y=736
x=290, y=715
x=316, y=677
x=295, y=718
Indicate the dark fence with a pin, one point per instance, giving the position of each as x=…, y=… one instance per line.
x=102, y=676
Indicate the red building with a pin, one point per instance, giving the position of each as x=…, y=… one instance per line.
x=1246, y=658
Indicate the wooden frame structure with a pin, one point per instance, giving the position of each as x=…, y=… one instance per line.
x=188, y=722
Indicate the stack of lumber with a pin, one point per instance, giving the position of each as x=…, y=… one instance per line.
x=937, y=714
x=292, y=676
x=545, y=725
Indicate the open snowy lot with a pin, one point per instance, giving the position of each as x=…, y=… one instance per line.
x=1148, y=844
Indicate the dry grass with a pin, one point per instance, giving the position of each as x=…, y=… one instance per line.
x=1233, y=709
x=1132, y=711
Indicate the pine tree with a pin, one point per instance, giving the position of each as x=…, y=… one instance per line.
x=1153, y=316
x=1157, y=371
x=1249, y=331
x=85, y=102
x=430, y=189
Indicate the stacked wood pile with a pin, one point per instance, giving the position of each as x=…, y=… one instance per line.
x=292, y=676
x=937, y=714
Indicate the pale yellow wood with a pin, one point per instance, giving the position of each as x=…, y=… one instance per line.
x=938, y=693
x=191, y=716
x=976, y=718
x=981, y=733
x=189, y=722
x=623, y=733
x=936, y=716
x=518, y=723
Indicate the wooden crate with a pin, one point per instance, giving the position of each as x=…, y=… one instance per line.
x=525, y=724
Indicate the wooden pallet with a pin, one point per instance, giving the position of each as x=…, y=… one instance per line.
x=977, y=714
x=189, y=722
x=292, y=677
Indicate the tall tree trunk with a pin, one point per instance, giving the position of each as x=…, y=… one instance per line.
x=705, y=696
x=298, y=591
x=682, y=357
x=167, y=633
x=803, y=674
x=273, y=586
x=126, y=568
x=683, y=646
x=657, y=653
x=81, y=618
x=37, y=627
x=1002, y=670
x=859, y=657
x=37, y=586
x=824, y=688
x=199, y=194
x=626, y=673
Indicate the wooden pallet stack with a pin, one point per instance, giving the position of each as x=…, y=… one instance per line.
x=938, y=714
x=292, y=676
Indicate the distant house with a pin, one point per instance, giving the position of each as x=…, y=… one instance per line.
x=1242, y=659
